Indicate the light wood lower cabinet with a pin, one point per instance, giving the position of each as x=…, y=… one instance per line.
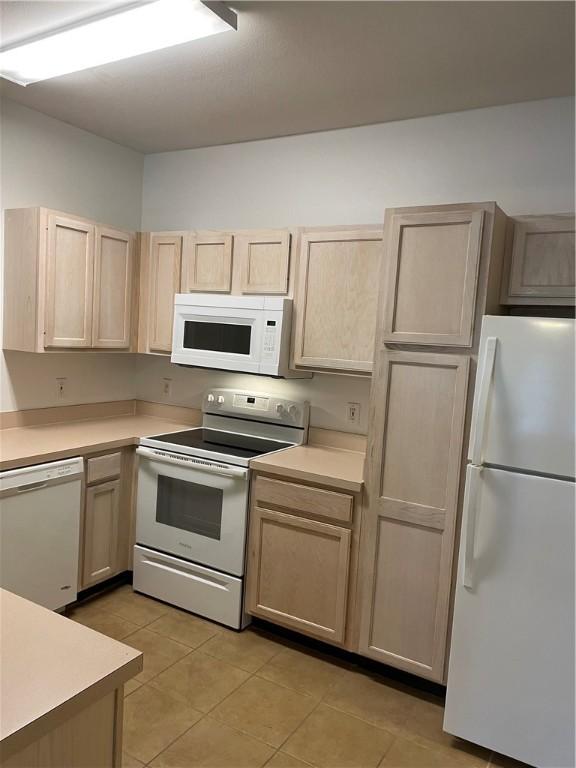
x=101, y=529
x=301, y=571
x=541, y=262
x=107, y=520
x=90, y=737
x=414, y=461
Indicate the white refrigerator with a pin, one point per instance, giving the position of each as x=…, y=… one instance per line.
x=511, y=677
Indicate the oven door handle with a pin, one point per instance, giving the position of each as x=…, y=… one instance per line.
x=192, y=463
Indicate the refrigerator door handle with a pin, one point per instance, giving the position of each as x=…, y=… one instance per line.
x=469, y=515
x=483, y=400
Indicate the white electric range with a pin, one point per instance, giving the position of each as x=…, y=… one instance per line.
x=193, y=493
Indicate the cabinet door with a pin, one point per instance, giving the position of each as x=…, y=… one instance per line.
x=101, y=530
x=207, y=262
x=69, y=282
x=542, y=261
x=298, y=574
x=413, y=467
x=337, y=299
x=264, y=261
x=165, y=257
x=113, y=284
x=433, y=260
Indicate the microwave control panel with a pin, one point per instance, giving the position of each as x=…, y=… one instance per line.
x=270, y=339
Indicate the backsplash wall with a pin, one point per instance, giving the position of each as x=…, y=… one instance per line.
x=48, y=163
x=328, y=394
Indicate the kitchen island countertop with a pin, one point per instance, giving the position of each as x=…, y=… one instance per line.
x=51, y=667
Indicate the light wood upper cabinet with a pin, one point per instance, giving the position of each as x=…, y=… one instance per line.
x=101, y=532
x=336, y=299
x=541, y=261
x=263, y=258
x=433, y=259
x=165, y=255
x=69, y=282
x=113, y=286
x=414, y=459
x=207, y=262
x=299, y=573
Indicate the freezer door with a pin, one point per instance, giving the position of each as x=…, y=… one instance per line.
x=511, y=671
x=524, y=412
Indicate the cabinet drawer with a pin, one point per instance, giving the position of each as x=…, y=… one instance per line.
x=103, y=467
x=329, y=505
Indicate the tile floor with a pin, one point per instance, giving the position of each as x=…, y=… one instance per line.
x=209, y=696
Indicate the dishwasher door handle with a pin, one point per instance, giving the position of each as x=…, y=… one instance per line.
x=31, y=486
x=19, y=490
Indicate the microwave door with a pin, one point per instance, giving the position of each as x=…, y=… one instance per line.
x=232, y=341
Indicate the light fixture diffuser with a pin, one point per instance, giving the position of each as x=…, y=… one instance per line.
x=138, y=29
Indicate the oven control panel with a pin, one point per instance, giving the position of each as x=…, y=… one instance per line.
x=251, y=402
x=257, y=406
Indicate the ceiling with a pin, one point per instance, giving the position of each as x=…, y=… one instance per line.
x=298, y=67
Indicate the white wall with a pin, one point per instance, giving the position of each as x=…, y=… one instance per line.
x=520, y=155
x=327, y=394
x=46, y=162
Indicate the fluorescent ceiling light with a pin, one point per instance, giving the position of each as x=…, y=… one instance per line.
x=130, y=32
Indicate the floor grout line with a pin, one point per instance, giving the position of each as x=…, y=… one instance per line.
x=257, y=673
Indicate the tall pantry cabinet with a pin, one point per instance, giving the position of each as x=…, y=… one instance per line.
x=441, y=274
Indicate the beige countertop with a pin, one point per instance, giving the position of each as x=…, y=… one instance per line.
x=23, y=446
x=50, y=663
x=318, y=464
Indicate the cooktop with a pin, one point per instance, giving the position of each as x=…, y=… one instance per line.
x=217, y=441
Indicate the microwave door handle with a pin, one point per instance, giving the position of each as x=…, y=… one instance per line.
x=192, y=463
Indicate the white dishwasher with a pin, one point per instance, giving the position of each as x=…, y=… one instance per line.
x=40, y=531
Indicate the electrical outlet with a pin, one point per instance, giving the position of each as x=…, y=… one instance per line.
x=61, y=387
x=353, y=413
x=166, y=387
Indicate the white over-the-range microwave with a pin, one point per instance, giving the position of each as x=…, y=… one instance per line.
x=249, y=334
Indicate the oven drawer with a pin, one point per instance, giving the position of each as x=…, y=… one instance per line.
x=195, y=588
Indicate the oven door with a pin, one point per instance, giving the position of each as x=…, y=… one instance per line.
x=212, y=338
x=193, y=508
